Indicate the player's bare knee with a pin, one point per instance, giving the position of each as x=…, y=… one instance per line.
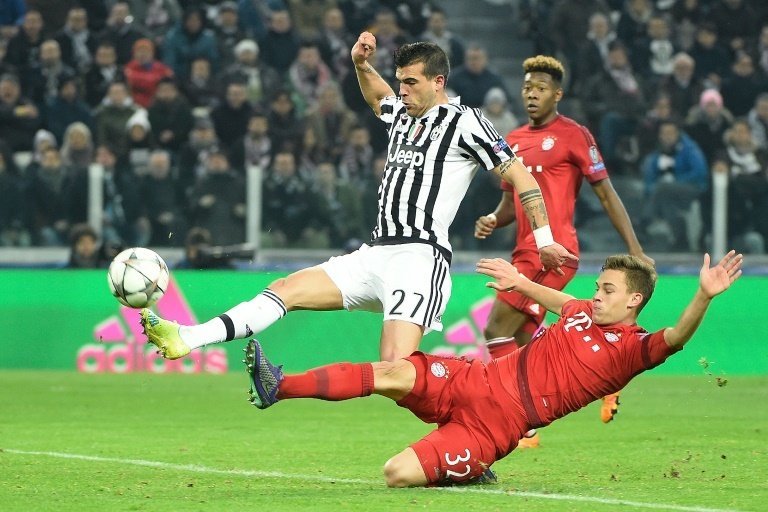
x=285, y=289
x=396, y=473
x=279, y=285
x=391, y=354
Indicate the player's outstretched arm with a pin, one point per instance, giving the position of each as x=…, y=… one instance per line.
x=508, y=278
x=503, y=215
x=619, y=217
x=712, y=282
x=373, y=87
x=551, y=253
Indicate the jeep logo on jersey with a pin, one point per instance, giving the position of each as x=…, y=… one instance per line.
x=406, y=156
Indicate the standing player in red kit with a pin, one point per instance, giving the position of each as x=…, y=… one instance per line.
x=558, y=152
x=482, y=411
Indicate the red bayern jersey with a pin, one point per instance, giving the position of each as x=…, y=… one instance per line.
x=557, y=154
x=576, y=361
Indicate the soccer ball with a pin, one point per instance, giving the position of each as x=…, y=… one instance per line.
x=138, y=277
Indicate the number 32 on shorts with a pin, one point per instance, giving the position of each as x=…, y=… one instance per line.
x=456, y=462
x=406, y=302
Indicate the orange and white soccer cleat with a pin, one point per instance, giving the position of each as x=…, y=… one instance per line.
x=610, y=407
x=530, y=440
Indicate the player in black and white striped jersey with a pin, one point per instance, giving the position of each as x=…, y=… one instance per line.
x=435, y=148
x=430, y=162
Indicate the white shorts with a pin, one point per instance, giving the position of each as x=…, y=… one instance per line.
x=409, y=282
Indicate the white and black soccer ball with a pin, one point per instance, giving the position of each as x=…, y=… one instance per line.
x=138, y=277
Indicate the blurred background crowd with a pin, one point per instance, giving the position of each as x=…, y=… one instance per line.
x=176, y=99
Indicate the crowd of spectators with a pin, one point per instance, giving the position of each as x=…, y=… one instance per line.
x=175, y=99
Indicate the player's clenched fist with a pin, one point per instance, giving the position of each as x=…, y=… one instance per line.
x=363, y=48
x=485, y=225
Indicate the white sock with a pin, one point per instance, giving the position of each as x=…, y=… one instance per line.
x=243, y=320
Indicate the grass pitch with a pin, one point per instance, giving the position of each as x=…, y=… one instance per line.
x=176, y=442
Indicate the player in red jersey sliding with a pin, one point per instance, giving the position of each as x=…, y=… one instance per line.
x=483, y=410
x=558, y=152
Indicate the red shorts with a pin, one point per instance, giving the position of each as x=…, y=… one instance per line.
x=529, y=265
x=474, y=428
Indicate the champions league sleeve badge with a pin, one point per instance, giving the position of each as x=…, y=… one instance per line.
x=597, y=164
x=500, y=146
x=593, y=154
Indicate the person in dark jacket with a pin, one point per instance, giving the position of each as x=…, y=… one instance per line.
x=103, y=72
x=473, y=80
x=230, y=118
x=188, y=40
x=158, y=191
x=78, y=45
x=66, y=107
x=19, y=117
x=170, y=116
x=56, y=199
x=23, y=50
x=12, y=207
x=218, y=201
x=281, y=45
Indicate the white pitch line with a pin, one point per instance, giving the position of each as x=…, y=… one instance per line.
x=193, y=468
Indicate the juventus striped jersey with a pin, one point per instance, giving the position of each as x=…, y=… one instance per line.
x=431, y=161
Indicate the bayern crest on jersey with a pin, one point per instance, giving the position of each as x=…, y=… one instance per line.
x=438, y=369
x=548, y=143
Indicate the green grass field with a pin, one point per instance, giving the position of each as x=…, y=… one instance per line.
x=173, y=442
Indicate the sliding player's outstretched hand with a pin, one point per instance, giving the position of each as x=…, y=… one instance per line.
x=363, y=48
x=506, y=275
x=553, y=256
x=715, y=280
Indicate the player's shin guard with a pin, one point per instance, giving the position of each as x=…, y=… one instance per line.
x=339, y=381
x=502, y=346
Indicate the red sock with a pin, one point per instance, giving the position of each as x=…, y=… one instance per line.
x=499, y=347
x=339, y=381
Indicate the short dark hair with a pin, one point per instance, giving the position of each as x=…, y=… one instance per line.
x=431, y=55
x=617, y=45
x=309, y=43
x=707, y=26
x=10, y=77
x=545, y=64
x=640, y=275
x=197, y=236
x=81, y=230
